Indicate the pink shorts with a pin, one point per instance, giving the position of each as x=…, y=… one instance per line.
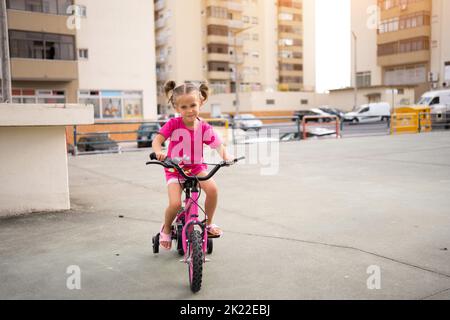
x=172, y=176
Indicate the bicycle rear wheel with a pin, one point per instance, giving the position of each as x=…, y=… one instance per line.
x=195, y=261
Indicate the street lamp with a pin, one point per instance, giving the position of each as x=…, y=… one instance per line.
x=355, y=89
x=4, y=54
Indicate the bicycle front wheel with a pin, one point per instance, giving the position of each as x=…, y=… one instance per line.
x=195, y=261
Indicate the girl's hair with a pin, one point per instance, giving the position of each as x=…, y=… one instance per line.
x=173, y=91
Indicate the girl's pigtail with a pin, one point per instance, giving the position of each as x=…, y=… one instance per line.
x=204, y=91
x=168, y=90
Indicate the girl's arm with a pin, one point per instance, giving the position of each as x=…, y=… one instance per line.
x=157, y=147
x=222, y=151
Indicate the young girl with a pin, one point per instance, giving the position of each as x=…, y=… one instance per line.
x=187, y=135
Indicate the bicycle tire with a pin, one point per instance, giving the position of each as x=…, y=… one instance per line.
x=209, y=246
x=195, y=266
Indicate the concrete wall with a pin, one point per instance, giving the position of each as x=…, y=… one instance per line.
x=121, y=42
x=344, y=99
x=33, y=157
x=27, y=186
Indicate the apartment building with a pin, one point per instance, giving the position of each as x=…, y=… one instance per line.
x=440, y=44
x=401, y=49
x=65, y=51
x=258, y=42
x=404, y=38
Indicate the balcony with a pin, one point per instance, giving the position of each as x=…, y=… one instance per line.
x=47, y=70
x=216, y=21
x=39, y=22
x=161, y=41
x=160, y=4
x=423, y=31
x=239, y=42
x=291, y=73
x=219, y=75
x=160, y=23
x=401, y=10
x=223, y=57
x=234, y=6
x=217, y=39
x=235, y=24
x=404, y=58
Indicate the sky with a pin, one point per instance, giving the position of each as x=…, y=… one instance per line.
x=333, y=44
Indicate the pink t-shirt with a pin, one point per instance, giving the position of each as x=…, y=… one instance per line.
x=189, y=142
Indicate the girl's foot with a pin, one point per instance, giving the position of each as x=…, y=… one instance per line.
x=213, y=231
x=165, y=239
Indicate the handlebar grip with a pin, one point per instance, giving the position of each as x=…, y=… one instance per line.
x=153, y=156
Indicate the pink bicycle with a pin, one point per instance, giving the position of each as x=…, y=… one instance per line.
x=189, y=232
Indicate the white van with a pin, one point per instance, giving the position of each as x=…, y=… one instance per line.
x=438, y=97
x=439, y=101
x=371, y=112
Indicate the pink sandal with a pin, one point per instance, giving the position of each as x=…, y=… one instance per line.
x=213, y=227
x=165, y=237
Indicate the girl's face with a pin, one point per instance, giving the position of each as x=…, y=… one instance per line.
x=188, y=106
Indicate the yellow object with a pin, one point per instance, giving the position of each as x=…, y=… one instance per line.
x=411, y=119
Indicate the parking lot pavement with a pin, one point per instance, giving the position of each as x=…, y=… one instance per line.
x=362, y=218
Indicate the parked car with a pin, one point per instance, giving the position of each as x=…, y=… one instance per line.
x=224, y=116
x=162, y=119
x=146, y=133
x=96, y=142
x=370, y=113
x=317, y=112
x=247, y=122
x=333, y=111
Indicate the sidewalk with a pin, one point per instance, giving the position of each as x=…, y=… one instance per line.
x=335, y=208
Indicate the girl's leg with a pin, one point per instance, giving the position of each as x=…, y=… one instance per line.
x=211, y=190
x=174, y=191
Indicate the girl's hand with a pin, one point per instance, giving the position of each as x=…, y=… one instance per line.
x=161, y=156
x=228, y=157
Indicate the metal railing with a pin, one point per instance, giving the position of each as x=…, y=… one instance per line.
x=290, y=128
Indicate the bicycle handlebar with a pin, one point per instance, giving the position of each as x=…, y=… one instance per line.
x=173, y=164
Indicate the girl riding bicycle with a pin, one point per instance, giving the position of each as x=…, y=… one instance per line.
x=187, y=135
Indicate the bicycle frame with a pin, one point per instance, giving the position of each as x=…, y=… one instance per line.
x=190, y=217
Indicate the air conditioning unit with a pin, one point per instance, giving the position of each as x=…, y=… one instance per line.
x=433, y=77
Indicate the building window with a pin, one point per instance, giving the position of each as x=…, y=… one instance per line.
x=304, y=102
x=217, y=12
x=270, y=101
x=38, y=96
x=404, y=46
x=83, y=53
x=403, y=75
x=113, y=104
x=447, y=70
x=35, y=45
x=363, y=79
x=254, y=20
x=44, y=6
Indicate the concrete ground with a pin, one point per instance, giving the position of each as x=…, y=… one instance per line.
x=336, y=210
